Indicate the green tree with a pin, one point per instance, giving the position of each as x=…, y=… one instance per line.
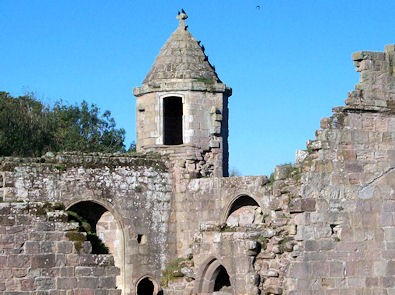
x=81, y=128
x=29, y=128
x=25, y=128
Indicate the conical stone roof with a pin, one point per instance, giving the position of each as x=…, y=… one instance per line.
x=182, y=58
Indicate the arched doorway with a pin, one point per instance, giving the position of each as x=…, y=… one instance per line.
x=222, y=281
x=213, y=277
x=243, y=211
x=147, y=286
x=172, y=120
x=103, y=230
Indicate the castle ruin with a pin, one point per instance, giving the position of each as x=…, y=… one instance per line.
x=175, y=223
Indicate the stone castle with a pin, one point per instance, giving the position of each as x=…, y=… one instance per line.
x=174, y=223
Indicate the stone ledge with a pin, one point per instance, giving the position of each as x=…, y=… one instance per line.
x=182, y=86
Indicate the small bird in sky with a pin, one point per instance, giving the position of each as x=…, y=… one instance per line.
x=258, y=7
x=183, y=11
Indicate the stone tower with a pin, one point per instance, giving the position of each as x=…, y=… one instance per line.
x=182, y=107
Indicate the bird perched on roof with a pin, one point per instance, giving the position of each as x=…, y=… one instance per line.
x=202, y=47
x=178, y=12
x=183, y=11
x=199, y=42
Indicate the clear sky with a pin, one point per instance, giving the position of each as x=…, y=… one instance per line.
x=288, y=62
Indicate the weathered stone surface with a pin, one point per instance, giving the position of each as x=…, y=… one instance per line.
x=325, y=225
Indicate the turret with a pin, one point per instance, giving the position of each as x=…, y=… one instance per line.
x=182, y=106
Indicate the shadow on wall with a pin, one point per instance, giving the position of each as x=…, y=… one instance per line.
x=244, y=211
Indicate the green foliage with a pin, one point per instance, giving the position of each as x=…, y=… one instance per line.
x=138, y=189
x=172, y=272
x=206, y=81
x=61, y=167
x=132, y=148
x=77, y=238
x=264, y=241
x=59, y=206
x=29, y=128
x=271, y=178
x=25, y=126
x=80, y=128
x=98, y=246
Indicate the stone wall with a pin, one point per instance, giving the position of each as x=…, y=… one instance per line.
x=348, y=243
x=324, y=225
x=245, y=224
x=40, y=253
x=329, y=220
x=136, y=190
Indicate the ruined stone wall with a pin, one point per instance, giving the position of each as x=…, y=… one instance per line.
x=246, y=224
x=325, y=225
x=328, y=222
x=135, y=190
x=40, y=253
x=348, y=243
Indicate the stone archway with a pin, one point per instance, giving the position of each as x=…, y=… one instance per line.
x=243, y=210
x=105, y=228
x=147, y=286
x=213, y=277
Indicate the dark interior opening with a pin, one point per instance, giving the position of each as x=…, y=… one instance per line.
x=222, y=280
x=241, y=202
x=90, y=211
x=172, y=121
x=145, y=287
x=87, y=214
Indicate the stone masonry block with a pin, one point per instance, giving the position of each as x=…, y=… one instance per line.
x=336, y=269
x=389, y=234
x=43, y=261
x=66, y=283
x=19, y=260
x=87, y=282
x=390, y=271
x=107, y=282
x=300, y=270
x=44, y=283
x=302, y=205
x=84, y=292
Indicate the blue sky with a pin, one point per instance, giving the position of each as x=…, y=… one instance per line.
x=288, y=62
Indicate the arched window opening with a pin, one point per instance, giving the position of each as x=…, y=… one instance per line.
x=172, y=120
x=102, y=231
x=222, y=282
x=213, y=278
x=88, y=215
x=244, y=211
x=145, y=287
